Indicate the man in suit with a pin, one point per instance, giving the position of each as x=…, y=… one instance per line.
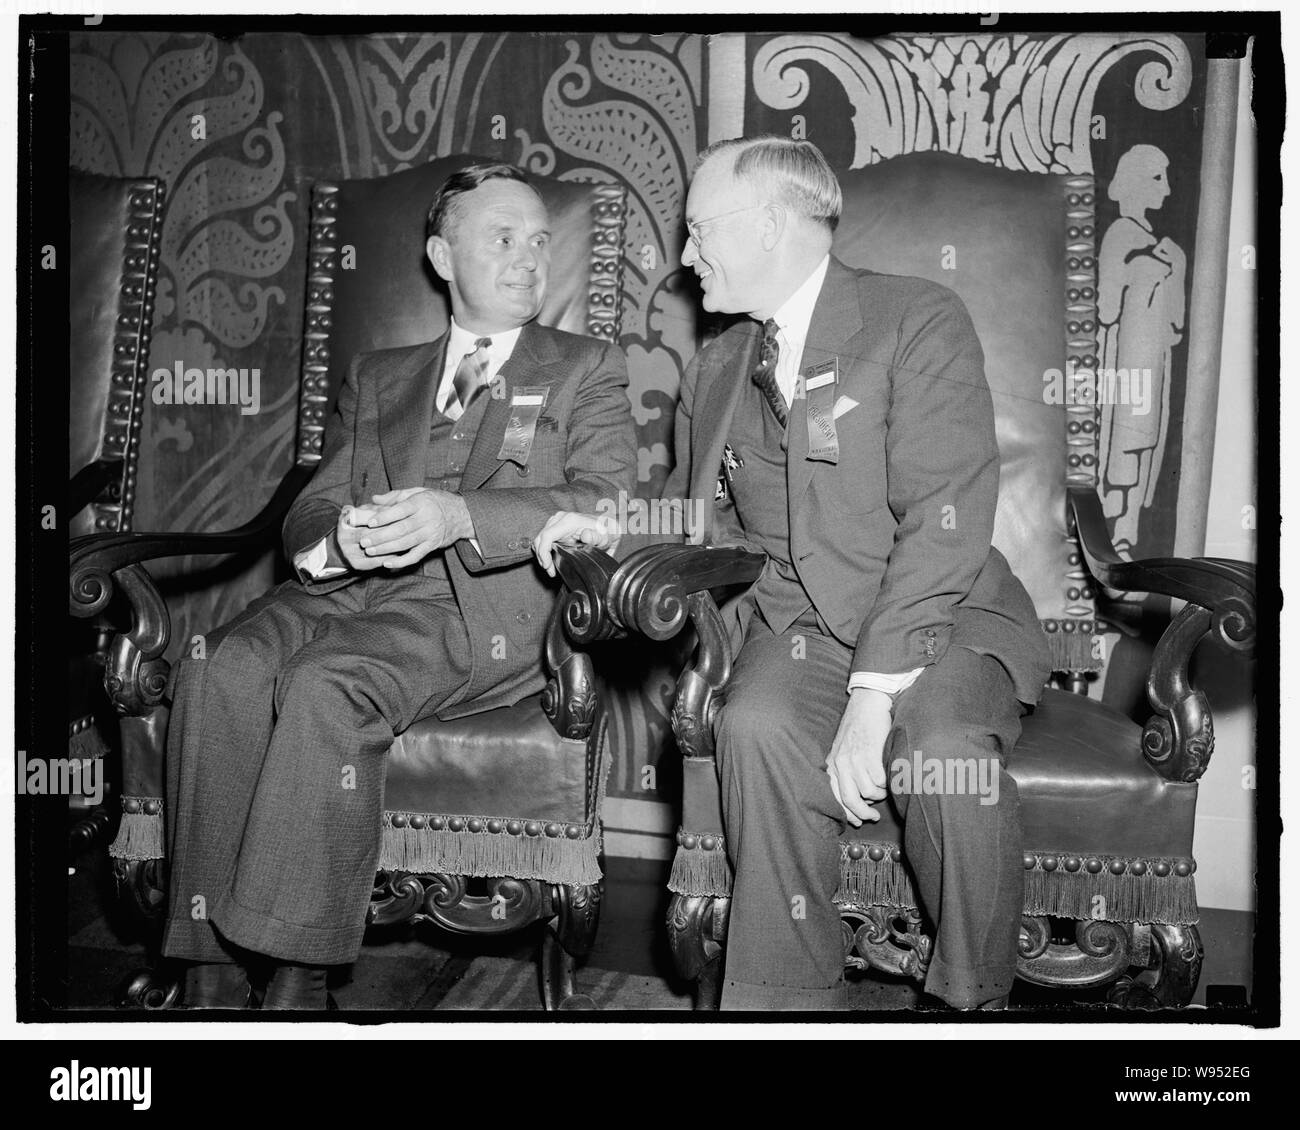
x=845, y=429
x=415, y=594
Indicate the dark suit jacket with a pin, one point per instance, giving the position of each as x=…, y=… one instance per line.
x=893, y=542
x=583, y=451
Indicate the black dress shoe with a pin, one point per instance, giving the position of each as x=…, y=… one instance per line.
x=295, y=987
x=216, y=984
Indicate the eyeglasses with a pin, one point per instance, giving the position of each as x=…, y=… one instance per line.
x=693, y=228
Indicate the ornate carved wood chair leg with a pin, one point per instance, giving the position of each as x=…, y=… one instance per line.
x=1173, y=971
x=708, y=987
x=559, y=976
x=152, y=989
x=697, y=932
x=578, y=916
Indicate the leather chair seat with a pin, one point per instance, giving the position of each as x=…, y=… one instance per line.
x=1084, y=787
x=507, y=763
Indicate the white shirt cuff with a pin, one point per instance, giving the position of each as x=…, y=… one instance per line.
x=890, y=684
x=313, y=562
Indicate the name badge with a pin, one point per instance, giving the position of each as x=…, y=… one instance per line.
x=819, y=387
x=526, y=406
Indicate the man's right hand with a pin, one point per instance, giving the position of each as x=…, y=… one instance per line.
x=352, y=524
x=569, y=528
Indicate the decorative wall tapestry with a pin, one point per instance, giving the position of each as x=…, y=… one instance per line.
x=239, y=130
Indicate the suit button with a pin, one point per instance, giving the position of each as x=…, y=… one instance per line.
x=458, y=436
x=524, y=617
x=454, y=467
x=524, y=469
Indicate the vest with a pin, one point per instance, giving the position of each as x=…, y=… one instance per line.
x=762, y=503
x=449, y=446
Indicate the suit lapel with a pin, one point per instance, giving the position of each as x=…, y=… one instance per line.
x=712, y=421
x=533, y=355
x=406, y=412
x=836, y=319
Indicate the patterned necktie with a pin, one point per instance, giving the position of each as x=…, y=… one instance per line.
x=468, y=382
x=765, y=371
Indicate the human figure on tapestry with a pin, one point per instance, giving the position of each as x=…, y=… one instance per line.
x=415, y=595
x=1141, y=303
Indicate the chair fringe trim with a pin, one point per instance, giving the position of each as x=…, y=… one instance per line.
x=1072, y=650
x=872, y=874
x=489, y=847
x=1111, y=888
x=140, y=835
x=700, y=866
x=1076, y=885
x=85, y=741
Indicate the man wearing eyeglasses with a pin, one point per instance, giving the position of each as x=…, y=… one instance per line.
x=845, y=430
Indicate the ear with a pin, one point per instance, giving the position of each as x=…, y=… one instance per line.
x=772, y=225
x=439, y=252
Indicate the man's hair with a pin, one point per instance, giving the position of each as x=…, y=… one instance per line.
x=794, y=173
x=444, y=210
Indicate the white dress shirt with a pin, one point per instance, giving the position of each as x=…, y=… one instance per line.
x=793, y=318
x=315, y=559
x=461, y=343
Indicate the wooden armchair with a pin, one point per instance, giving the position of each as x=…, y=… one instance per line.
x=488, y=843
x=115, y=227
x=1107, y=805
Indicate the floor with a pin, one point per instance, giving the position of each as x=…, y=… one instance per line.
x=425, y=970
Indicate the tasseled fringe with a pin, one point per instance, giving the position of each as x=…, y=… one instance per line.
x=427, y=850
x=140, y=835
x=86, y=743
x=867, y=881
x=698, y=871
x=1166, y=900
x=1072, y=651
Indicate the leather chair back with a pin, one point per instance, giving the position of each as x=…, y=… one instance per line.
x=115, y=230
x=370, y=285
x=1017, y=248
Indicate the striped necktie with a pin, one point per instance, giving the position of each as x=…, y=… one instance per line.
x=764, y=374
x=468, y=382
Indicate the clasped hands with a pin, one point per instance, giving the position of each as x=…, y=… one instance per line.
x=401, y=527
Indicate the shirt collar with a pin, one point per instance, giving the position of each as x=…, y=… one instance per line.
x=795, y=314
x=462, y=341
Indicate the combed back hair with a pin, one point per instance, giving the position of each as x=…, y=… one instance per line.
x=794, y=172
x=446, y=202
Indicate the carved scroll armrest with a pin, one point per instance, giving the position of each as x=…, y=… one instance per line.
x=90, y=482
x=654, y=592
x=95, y=560
x=1224, y=587
x=580, y=617
x=1178, y=740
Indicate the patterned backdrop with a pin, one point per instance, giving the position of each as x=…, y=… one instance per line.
x=238, y=130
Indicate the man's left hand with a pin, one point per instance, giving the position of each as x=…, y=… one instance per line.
x=856, y=761
x=406, y=525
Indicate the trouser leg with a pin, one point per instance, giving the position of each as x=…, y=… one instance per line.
x=784, y=704
x=306, y=864
x=220, y=728
x=953, y=731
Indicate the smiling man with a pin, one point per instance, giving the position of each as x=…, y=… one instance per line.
x=844, y=429
x=416, y=594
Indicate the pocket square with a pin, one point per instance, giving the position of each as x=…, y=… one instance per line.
x=844, y=404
